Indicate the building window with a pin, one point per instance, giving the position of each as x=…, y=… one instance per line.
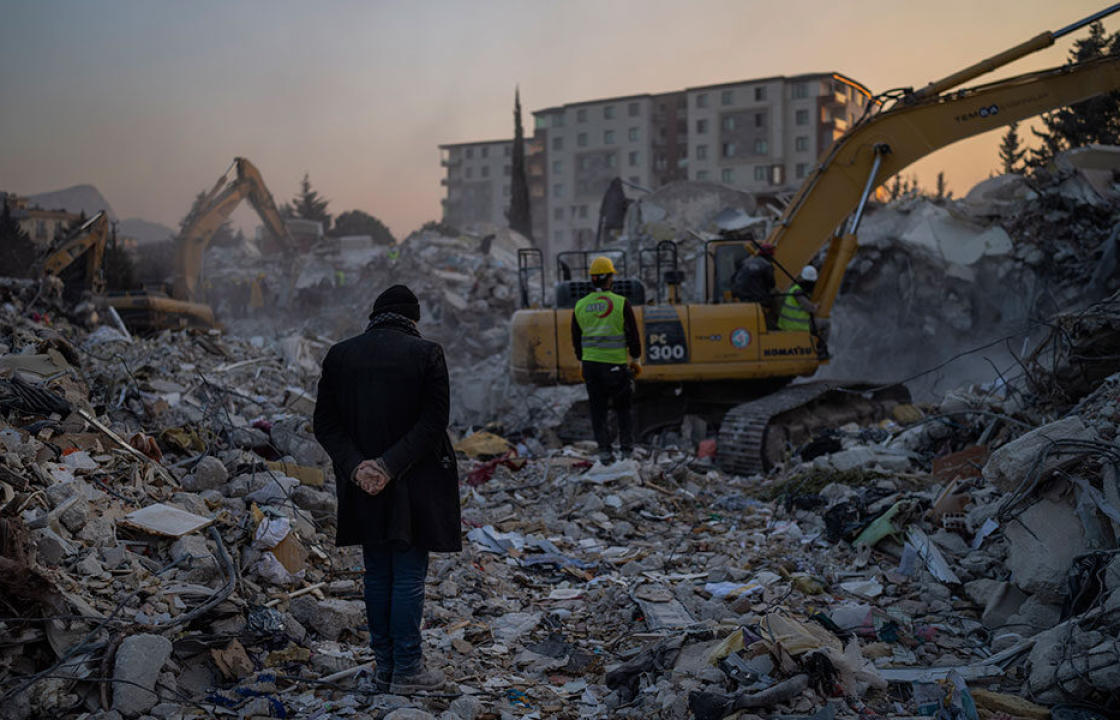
x=468, y=172
x=505, y=190
x=760, y=120
x=484, y=171
x=701, y=174
x=557, y=189
x=558, y=214
x=557, y=143
x=800, y=90
x=581, y=115
x=558, y=236
x=583, y=212
x=633, y=109
x=507, y=149
x=727, y=97
x=470, y=153
x=760, y=173
x=633, y=158
x=633, y=134
x=801, y=117
x=610, y=159
x=484, y=152
x=800, y=171
x=608, y=112
x=760, y=147
x=727, y=175
x=608, y=137
x=701, y=127
x=729, y=122
x=581, y=140
x=760, y=94
x=557, y=167
x=558, y=120
x=729, y=149
x=702, y=100
x=701, y=152
x=801, y=144
x=505, y=170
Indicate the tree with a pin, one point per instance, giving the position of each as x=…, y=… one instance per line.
x=1011, y=151
x=308, y=205
x=356, y=222
x=942, y=194
x=17, y=250
x=117, y=265
x=894, y=189
x=518, y=216
x=1096, y=120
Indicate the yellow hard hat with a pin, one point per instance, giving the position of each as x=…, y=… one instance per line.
x=601, y=265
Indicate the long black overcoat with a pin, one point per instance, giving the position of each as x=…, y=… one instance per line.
x=385, y=394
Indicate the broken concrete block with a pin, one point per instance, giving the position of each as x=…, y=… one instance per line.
x=982, y=590
x=98, y=532
x=1042, y=544
x=894, y=459
x=1002, y=604
x=331, y=617
x=1010, y=465
x=466, y=707
x=1033, y=616
x=50, y=547
x=89, y=565
x=209, y=474
x=139, y=660
x=319, y=502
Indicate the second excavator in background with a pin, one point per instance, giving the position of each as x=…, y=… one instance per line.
x=719, y=358
x=185, y=305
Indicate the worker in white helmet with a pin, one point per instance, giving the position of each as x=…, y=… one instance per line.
x=798, y=309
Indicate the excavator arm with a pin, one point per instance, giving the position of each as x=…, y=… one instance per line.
x=885, y=142
x=216, y=208
x=91, y=237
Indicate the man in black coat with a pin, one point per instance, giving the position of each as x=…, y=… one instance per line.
x=382, y=415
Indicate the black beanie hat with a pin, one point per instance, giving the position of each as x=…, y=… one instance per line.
x=397, y=299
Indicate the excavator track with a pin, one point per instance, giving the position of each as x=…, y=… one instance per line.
x=756, y=435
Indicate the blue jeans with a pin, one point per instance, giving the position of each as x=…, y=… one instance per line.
x=394, y=589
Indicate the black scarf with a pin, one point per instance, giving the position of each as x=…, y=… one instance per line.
x=393, y=321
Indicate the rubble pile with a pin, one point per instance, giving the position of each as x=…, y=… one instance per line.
x=166, y=551
x=937, y=276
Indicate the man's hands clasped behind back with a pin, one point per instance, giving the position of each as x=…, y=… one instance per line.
x=371, y=476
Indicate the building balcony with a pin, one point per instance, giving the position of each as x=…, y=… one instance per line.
x=444, y=162
x=443, y=182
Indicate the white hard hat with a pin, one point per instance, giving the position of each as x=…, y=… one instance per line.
x=809, y=273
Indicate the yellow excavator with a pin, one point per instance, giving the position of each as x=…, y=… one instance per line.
x=77, y=259
x=719, y=358
x=185, y=306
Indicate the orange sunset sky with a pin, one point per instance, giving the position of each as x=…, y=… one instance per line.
x=151, y=100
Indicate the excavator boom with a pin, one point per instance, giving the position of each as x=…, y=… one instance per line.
x=90, y=238
x=886, y=142
x=218, y=205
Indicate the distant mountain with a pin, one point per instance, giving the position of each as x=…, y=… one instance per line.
x=144, y=231
x=74, y=199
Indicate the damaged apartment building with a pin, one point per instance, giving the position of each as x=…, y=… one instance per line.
x=761, y=135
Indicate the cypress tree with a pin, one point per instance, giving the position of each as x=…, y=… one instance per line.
x=519, y=218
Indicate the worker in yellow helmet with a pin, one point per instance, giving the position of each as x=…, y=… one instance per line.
x=603, y=330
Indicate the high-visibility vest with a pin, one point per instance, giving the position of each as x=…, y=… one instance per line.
x=792, y=315
x=602, y=327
